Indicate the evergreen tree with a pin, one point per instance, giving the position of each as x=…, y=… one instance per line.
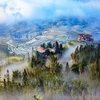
x=25, y=78
x=61, y=47
x=75, y=68
x=81, y=68
x=49, y=45
x=8, y=77
x=67, y=67
x=43, y=45
x=4, y=82
x=81, y=47
x=28, y=57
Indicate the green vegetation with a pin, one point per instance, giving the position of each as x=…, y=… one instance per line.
x=37, y=97
x=87, y=57
x=47, y=74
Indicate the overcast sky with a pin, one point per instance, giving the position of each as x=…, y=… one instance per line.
x=16, y=10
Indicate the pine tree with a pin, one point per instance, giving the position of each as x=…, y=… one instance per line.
x=4, y=82
x=81, y=68
x=25, y=78
x=67, y=67
x=75, y=68
x=43, y=45
x=8, y=77
x=61, y=47
x=28, y=57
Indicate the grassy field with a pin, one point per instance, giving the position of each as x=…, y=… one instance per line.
x=12, y=59
x=69, y=44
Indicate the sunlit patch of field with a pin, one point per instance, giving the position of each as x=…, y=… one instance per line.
x=74, y=42
x=69, y=44
x=12, y=59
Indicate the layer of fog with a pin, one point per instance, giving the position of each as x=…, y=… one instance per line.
x=20, y=66
x=66, y=57
x=47, y=96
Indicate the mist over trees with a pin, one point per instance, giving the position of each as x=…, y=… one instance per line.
x=50, y=77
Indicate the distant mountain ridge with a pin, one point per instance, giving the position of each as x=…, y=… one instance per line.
x=37, y=27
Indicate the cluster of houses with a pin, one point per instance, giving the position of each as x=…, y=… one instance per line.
x=45, y=52
x=85, y=38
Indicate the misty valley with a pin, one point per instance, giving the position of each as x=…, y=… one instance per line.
x=49, y=49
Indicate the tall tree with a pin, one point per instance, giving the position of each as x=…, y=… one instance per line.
x=67, y=69
x=4, y=82
x=8, y=77
x=25, y=78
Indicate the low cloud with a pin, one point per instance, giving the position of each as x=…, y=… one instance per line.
x=17, y=10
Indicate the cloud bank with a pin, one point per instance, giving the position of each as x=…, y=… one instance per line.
x=16, y=10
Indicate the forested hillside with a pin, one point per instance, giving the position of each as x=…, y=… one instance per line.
x=87, y=57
